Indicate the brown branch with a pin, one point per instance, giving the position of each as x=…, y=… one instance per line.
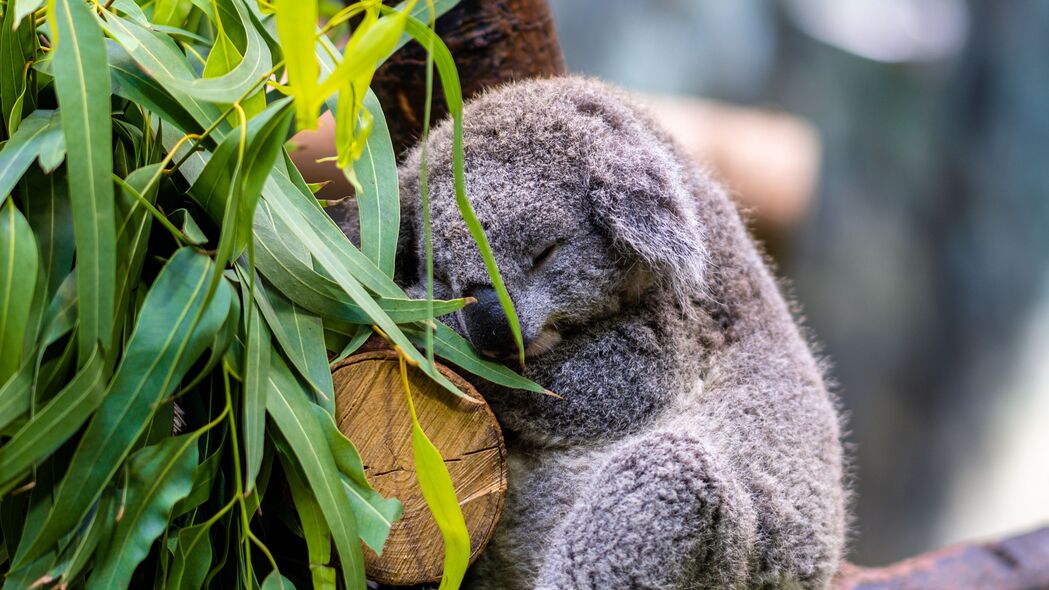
x=1015, y=563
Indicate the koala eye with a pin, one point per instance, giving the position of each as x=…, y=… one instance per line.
x=543, y=257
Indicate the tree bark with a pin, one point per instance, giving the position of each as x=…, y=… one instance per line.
x=492, y=41
x=1014, y=563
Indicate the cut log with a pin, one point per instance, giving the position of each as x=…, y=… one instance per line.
x=372, y=411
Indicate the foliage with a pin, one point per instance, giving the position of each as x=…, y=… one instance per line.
x=162, y=262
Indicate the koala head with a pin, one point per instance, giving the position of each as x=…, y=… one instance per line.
x=585, y=206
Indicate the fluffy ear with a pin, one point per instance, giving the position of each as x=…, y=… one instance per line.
x=642, y=197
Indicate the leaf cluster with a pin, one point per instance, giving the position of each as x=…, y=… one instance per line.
x=171, y=294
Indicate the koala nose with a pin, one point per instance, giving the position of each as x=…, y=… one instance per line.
x=486, y=324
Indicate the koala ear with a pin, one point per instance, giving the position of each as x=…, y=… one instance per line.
x=642, y=198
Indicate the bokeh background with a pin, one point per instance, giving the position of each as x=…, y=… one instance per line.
x=920, y=253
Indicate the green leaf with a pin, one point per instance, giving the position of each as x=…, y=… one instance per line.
x=314, y=528
x=436, y=485
x=172, y=331
x=161, y=474
x=275, y=581
x=133, y=234
x=454, y=100
x=375, y=513
x=223, y=59
x=48, y=213
x=14, y=395
x=78, y=556
x=337, y=256
x=297, y=27
x=19, y=264
x=452, y=347
x=257, y=365
x=25, y=7
x=54, y=424
x=221, y=180
x=132, y=83
x=203, y=478
x=16, y=48
x=171, y=12
x=184, y=221
x=192, y=558
x=301, y=337
x=370, y=44
x=288, y=405
x=83, y=90
x=277, y=256
x=38, y=131
x=378, y=201
x=166, y=64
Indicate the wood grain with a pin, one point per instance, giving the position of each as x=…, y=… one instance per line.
x=371, y=409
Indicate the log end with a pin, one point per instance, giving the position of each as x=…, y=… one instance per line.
x=372, y=411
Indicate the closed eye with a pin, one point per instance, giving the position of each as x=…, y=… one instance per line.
x=544, y=257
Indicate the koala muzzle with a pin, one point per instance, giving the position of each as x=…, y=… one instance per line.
x=486, y=324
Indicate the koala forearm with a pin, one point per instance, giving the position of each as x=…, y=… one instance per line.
x=661, y=513
x=790, y=461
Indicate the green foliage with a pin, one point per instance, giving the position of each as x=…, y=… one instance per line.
x=157, y=249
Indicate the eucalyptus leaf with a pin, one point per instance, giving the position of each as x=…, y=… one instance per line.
x=314, y=528
x=83, y=90
x=54, y=423
x=19, y=264
x=192, y=557
x=36, y=133
x=257, y=350
x=378, y=202
x=175, y=326
x=439, y=492
x=161, y=475
x=289, y=406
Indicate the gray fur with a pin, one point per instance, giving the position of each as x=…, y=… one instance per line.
x=696, y=445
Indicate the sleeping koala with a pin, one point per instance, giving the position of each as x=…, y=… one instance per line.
x=696, y=444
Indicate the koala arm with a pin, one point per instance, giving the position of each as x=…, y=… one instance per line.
x=661, y=513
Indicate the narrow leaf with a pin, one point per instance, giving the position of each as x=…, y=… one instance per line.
x=19, y=264
x=161, y=474
x=83, y=90
x=172, y=331
x=297, y=27
x=192, y=558
x=375, y=513
x=55, y=423
x=378, y=201
x=257, y=365
x=314, y=528
x=38, y=131
x=290, y=409
x=436, y=485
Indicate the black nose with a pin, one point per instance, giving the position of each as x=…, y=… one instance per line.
x=487, y=325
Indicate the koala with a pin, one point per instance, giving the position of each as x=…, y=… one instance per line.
x=695, y=443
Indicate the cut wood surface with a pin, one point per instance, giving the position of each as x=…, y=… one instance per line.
x=371, y=409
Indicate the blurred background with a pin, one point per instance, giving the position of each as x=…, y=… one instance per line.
x=895, y=157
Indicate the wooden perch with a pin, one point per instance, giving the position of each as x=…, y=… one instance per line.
x=371, y=409
x=1015, y=563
